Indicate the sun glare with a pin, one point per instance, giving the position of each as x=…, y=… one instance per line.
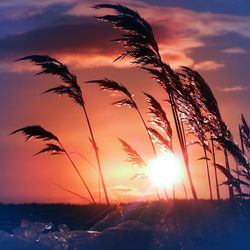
x=164, y=171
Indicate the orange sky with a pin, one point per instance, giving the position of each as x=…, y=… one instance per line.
x=214, y=43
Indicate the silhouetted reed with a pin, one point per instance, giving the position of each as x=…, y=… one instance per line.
x=159, y=118
x=135, y=159
x=36, y=131
x=217, y=127
x=244, y=135
x=140, y=44
x=192, y=102
x=160, y=121
x=114, y=87
x=215, y=170
x=71, y=89
x=194, y=107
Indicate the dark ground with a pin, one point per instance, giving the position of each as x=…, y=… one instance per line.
x=74, y=216
x=142, y=226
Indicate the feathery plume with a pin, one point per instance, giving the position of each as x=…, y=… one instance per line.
x=37, y=132
x=52, y=66
x=133, y=156
x=159, y=117
x=40, y=133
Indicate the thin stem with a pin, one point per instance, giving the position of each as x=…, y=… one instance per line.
x=178, y=128
x=185, y=142
x=243, y=151
x=144, y=124
x=72, y=192
x=208, y=173
x=183, y=147
x=157, y=193
x=99, y=189
x=150, y=139
x=77, y=171
x=152, y=144
x=173, y=191
x=230, y=189
x=237, y=170
x=166, y=194
x=242, y=147
x=86, y=159
x=241, y=141
x=183, y=132
x=93, y=166
x=215, y=170
x=174, y=208
x=185, y=190
x=97, y=155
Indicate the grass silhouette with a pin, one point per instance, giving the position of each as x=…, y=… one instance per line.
x=194, y=107
x=190, y=97
x=71, y=89
x=38, y=132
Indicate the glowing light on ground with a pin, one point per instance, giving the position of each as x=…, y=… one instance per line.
x=165, y=171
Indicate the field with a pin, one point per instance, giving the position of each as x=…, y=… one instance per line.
x=179, y=142
x=155, y=225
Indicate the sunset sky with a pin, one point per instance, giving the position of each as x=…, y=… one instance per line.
x=212, y=37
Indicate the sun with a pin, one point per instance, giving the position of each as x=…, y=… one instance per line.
x=164, y=171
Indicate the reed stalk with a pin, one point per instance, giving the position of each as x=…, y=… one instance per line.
x=215, y=170
x=140, y=44
x=70, y=88
x=208, y=173
x=38, y=132
x=230, y=188
x=77, y=171
x=96, y=155
x=241, y=140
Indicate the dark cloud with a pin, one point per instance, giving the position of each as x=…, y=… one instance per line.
x=65, y=38
x=28, y=19
x=216, y=6
x=236, y=88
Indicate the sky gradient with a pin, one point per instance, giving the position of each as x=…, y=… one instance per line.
x=212, y=38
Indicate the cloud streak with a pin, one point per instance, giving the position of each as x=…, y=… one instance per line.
x=237, y=88
x=208, y=65
x=23, y=9
x=234, y=50
x=83, y=43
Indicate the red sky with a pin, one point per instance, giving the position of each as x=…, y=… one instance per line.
x=211, y=39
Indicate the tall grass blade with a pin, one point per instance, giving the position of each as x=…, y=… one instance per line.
x=70, y=88
x=139, y=43
x=52, y=66
x=215, y=170
x=39, y=132
x=133, y=156
x=245, y=133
